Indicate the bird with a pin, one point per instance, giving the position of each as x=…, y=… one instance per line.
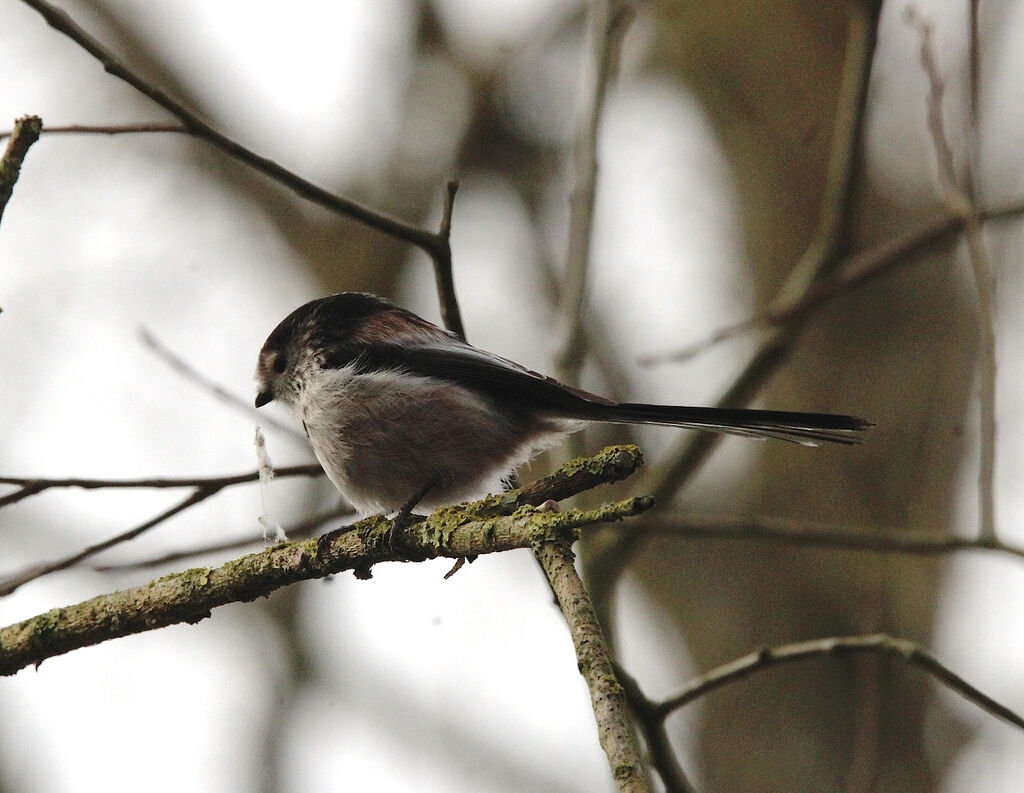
x=399, y=411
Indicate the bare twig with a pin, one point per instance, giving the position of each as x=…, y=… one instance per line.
x=206, y=488
x=840, y=645
x=38, y=571
x=852, y=272
x=608, y=21
x=26, y=132
x=109, y=129
x=451, y=316
x=960, y=197
x=29, y=486
x=299, y=531
x=723, y=527
x=936, y=89
x=189, y=596
x=436, y=246
x=974, y=73
x=189, y=372
x=594, y=660
x=63, y=23
x=830, y=237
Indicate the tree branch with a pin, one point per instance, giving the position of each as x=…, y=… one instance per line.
x=652, y=727
x=30, y=486
x=203, y=489
x=607, y=23
x=853, y=271
x=219, y=392
x=297, y=531
x=110, y=129
x=497, y=523
x=451, y=316
x=788, y=532
x=25, y=133
x=959, y=195
x=594, y=660
x=436, y=246
x=836, y=646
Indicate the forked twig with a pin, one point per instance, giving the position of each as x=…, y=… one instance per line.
x=436, y=246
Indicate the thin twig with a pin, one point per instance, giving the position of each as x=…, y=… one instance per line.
x=451, y=316
x=724, y=527
x=25, y=133
x=202, y=491
x=936, y=89
x=831, y=234
x=299, y=531
x=959, y=195
x=110, y=129
x=854, y=271
x=851, y=272
x=607, y=23
x=436, y=246
x=594, y=660
x=29, y=486
x=882, y=644
x=190, y=595
x=38, y=571
x=189, y=372
x=974, y=76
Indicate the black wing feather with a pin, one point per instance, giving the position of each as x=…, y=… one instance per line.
x=534, y=392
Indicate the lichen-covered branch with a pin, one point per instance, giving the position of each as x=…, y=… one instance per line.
x=596, y=665
x=499, y=523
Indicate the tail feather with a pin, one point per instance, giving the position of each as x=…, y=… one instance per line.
x=808, y=429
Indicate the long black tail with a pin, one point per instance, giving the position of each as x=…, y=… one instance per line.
x=805, y=428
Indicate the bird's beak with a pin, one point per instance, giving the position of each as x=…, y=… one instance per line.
x=263, y=397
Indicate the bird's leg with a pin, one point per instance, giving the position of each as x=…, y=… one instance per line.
x=402, y=518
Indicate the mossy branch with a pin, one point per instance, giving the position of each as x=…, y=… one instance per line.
x=594, y=659
x=498, y=523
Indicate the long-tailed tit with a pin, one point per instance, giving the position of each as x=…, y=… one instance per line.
x=394, y=406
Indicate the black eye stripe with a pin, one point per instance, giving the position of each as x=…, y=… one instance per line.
x=279, y=364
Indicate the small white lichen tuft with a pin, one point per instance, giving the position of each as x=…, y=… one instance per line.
x=266, y=469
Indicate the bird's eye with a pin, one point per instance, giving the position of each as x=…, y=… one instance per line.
x=279, y=363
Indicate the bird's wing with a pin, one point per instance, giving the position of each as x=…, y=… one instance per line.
x=455, y=360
